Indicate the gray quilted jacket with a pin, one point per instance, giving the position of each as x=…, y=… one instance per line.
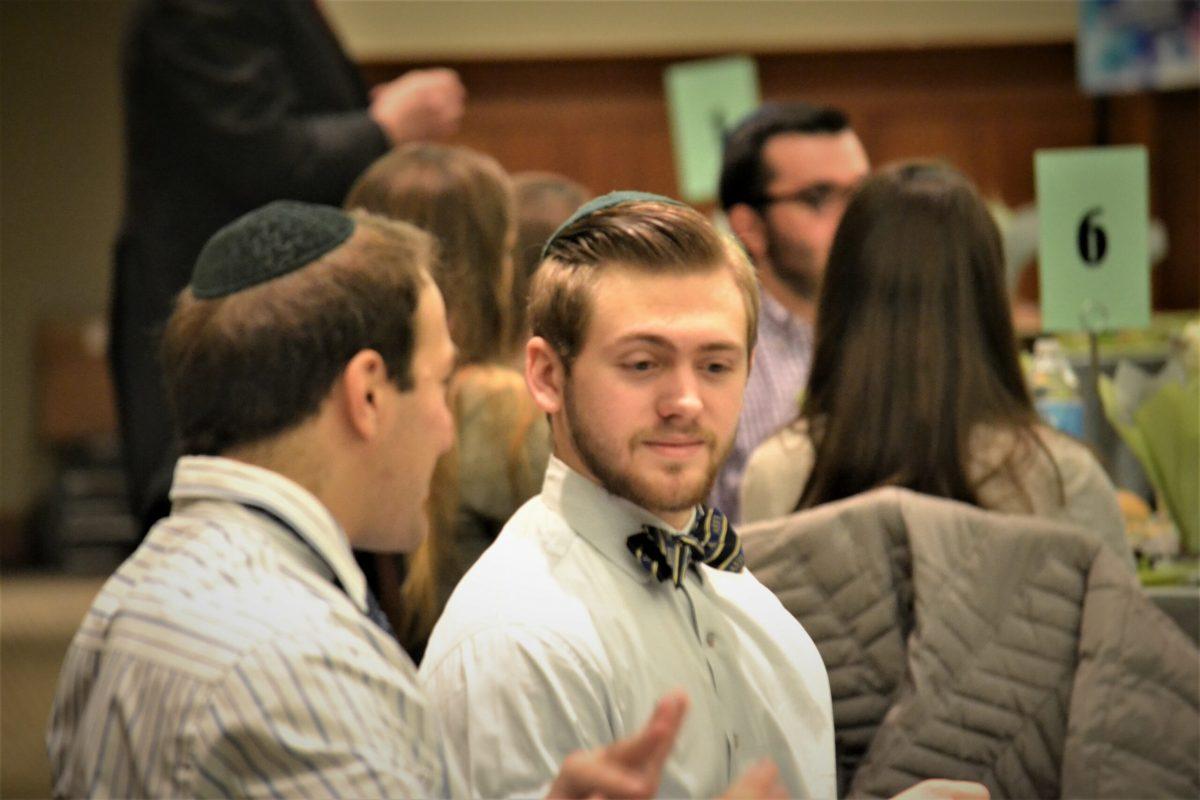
x=1004, y=649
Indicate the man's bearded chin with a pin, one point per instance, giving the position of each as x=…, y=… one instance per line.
x=643, y=493
x=794, y=264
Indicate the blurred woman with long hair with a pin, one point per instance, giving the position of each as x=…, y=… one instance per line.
x=465, y=200
x=915, y=378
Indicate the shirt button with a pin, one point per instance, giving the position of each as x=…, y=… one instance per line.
x=710, y=639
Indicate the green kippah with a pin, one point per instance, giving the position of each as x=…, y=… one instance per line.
x=268, y=242
x=606, y=201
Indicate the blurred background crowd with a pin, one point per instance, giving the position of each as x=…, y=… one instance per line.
x=537, y=107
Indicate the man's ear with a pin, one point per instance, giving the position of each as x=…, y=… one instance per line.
x=545, y=375
x=750, y=228
x=360, y=392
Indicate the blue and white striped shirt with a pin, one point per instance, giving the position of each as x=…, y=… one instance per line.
x=228, y=657
x=782, y=358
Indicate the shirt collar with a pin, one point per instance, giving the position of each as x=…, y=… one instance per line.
x=602, y=519
x=223, y=479
x=776, y=314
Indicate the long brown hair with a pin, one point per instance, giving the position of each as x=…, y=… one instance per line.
x=465, y=199
x=914, y=340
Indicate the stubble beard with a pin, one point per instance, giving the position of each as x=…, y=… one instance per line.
x=603, y=465
x=794, y=264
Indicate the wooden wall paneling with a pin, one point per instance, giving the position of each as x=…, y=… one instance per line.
x=1168, y=124
x=986, y=109
x=599, y=121
x=1175, y=173
x=953, y=103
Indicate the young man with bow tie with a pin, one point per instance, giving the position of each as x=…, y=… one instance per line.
x=616, y=584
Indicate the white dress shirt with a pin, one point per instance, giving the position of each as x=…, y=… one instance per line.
x=230, y=657
x=782, y=358
x=558, y=639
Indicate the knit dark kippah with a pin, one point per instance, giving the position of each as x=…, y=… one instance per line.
x=266, y=243
x=606, y=201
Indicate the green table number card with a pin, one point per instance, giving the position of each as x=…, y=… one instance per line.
x=705, y=99
x=1093, y=217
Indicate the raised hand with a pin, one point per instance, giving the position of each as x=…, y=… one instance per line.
x=760, y=782
x=421, y=104
x=630, y=767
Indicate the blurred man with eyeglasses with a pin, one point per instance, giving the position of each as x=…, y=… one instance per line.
x=787, y=173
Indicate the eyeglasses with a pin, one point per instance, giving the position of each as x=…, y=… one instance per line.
x=817, y=197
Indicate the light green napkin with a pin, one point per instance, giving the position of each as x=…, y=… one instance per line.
x=1159, y=418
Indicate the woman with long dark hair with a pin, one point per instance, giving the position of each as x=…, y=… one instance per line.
x=915, y=378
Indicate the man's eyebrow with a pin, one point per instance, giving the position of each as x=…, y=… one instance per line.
x=721, y=347
x=652, y=339
x=824, y=184
x=655, y=340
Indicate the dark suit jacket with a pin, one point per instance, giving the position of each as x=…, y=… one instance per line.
x=229, y=104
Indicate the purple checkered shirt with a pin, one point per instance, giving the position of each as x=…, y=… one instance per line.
x=781, y=361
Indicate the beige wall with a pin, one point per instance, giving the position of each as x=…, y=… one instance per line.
x=472, y=28
x=59, y=199
x=60, y=121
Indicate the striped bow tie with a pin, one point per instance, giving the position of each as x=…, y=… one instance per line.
x=711, y=540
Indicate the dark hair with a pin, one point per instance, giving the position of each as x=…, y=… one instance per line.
x=243, y=367
x=744, y=176
x=464, y=198
x=914, y=340
x=647, y=235
x=544, y=201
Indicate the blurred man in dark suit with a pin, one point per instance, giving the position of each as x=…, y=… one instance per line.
x=229, y=105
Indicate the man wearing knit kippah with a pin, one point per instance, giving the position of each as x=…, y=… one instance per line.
x=239, y=651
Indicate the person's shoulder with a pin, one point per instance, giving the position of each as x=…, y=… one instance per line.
x=1041, y=470
x=991, y=442
x=1088, y=497
x=492, y=401
x=521, y=586
x=205, y=595
x=789, y=442
x=757, y=606
x=503, y=439
x=477, y=385
x=521, y=568
x=1065, y=449
x=1084, y=479
x=776, y=473
x=1052, y=451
